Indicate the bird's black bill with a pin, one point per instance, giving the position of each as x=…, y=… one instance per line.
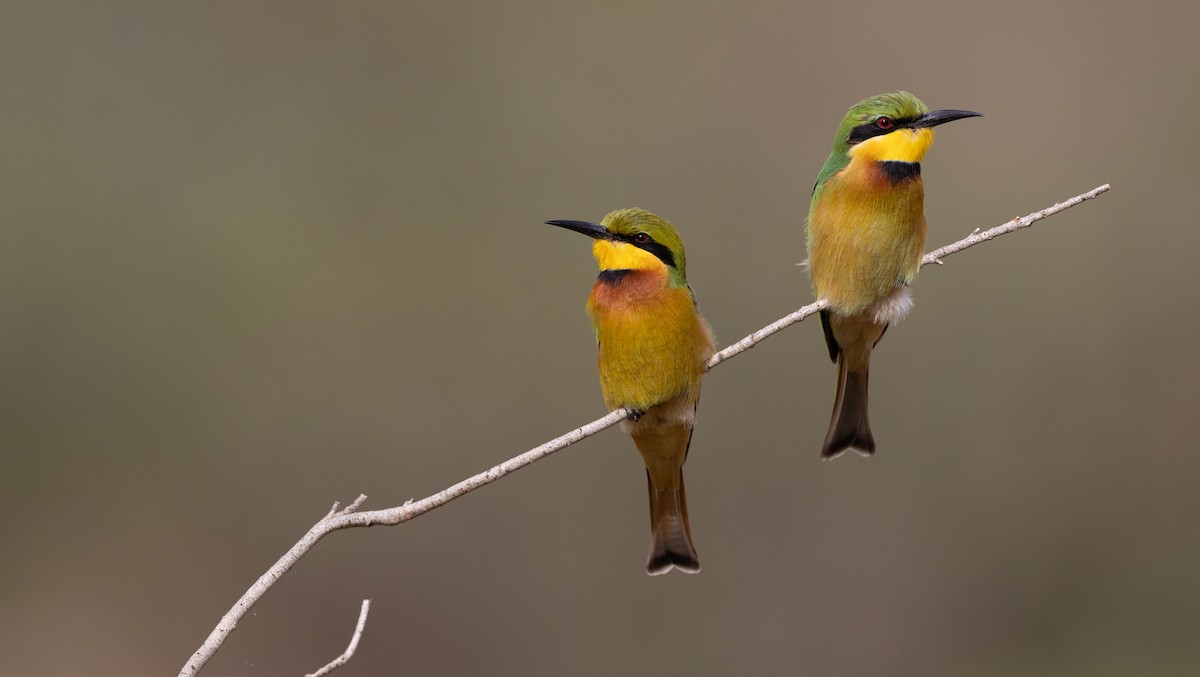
x=938, y=117
x=587, y=228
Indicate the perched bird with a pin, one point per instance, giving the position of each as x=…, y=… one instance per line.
x=866, y=236
x=653, y=346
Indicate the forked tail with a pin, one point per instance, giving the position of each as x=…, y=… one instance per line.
x=849, y=427
x=664, y=450
x=671, y=537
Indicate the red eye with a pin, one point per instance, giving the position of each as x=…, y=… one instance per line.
x=641, y=238
x=883, y=122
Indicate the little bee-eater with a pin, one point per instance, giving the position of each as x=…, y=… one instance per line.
x=653, y=346
x=866, y=236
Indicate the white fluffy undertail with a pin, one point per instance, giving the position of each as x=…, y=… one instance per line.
x=893, y=307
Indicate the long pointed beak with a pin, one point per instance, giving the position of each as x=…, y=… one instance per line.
x=937, y=117
x=586, y=227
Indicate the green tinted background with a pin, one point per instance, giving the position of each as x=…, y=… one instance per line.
x=258, y=257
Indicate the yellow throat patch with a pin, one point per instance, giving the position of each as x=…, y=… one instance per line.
x=613, y=255
x=902, y=145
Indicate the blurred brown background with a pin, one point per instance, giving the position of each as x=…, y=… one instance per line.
x=258, y=257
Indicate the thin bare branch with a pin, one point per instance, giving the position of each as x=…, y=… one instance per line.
x=358, y=631
x=934, y=256
x=1018, y=223
x=350, y=517
x=354, y=505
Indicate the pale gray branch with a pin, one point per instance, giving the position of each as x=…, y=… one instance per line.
x=350, y=517
x=934, y=256
x=1018, y=223
x=358, y=631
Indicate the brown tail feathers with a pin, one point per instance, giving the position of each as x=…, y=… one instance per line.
x=849, y=427
x=664, y=449
x=671, y=537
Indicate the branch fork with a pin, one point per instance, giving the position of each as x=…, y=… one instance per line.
x=350, y=517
